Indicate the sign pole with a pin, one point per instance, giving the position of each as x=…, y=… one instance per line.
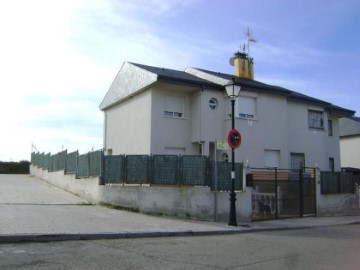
x=216, y=183
x=232, y=214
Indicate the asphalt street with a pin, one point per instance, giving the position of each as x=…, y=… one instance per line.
x=334, y=247
x=33, y=210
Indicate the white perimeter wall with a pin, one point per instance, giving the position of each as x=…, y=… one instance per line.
x=184, y=202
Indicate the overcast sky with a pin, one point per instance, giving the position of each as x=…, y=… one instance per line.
x=58, y=58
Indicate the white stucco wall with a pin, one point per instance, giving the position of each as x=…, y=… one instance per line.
x=316, y=144
x=170, y=132
x=138, y=126
x=266, y=132
x=350, y=154
x=128, y=125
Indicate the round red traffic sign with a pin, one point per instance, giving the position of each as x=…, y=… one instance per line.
x=234, y=138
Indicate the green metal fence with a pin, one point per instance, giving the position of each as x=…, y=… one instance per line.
x=195, y=170
x=142, y=169
x=95, y=163
x=137, y=169
x=83, y=166
x=114, y=169
x=71, y=162
x=222, y=181
x=165, y=169
x=337, y=182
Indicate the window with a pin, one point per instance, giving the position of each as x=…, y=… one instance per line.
x=174, y=107
x=316, y=119
x=331, y=164
x=213, y=103
x=246, y=107
x=330, y=128
x=297, y=161
x=272, y=158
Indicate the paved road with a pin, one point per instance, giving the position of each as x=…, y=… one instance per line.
x=32, y=207
x=33, y=210
x=335, y=247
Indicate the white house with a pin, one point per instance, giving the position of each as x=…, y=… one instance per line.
x=151, y=110
x=350, y=142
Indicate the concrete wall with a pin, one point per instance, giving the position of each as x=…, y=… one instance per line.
x=336, y=204
x=184, y=202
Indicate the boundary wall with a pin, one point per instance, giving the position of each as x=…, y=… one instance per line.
x=191, y=202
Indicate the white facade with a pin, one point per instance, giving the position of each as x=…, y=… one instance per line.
x=350, y=152
x=350, y=142
x=186, y=117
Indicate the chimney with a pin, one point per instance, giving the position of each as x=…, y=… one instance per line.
x=244, y=65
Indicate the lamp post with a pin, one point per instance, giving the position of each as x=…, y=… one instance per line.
x=232, y=91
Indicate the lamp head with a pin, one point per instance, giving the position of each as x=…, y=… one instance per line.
x=232, y=90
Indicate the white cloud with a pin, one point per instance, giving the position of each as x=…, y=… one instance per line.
x=58, y=58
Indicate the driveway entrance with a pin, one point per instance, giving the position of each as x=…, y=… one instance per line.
x=279, y=193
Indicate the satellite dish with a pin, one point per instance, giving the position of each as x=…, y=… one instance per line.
x=231, y=61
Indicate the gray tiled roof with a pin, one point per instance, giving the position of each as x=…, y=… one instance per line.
x=249, y=84
x=133, y=77
x=165, y=74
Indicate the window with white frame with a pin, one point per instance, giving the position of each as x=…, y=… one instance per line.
x=272, y=158
x=246, y=107
x=316, y=119
x=174, y=106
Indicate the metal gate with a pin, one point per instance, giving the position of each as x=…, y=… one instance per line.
x=279, y=193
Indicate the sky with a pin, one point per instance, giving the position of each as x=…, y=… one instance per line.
x=58, y=58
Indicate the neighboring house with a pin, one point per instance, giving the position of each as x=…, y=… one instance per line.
x=350, y=143
x=150, y=110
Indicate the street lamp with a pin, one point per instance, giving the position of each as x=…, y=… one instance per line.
x=232, y=91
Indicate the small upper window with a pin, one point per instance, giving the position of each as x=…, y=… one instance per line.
x=174, y=107
x=316, y=119
x=247, y=107
x=213, y=103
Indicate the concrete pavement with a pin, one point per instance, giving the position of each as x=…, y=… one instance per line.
x=33, y=210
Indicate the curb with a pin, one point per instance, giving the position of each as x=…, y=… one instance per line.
x=25, y=238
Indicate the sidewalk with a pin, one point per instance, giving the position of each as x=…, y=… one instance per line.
x=32, y=210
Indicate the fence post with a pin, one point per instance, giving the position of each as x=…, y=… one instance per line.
x=338, y=182
x=125, y=170
x=301, y=192
x=180, y=169
x=151, y=170
x=102, y=165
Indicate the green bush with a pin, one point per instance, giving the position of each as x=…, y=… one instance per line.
x=11, y=167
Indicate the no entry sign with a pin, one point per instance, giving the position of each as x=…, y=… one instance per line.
x=234, y=138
